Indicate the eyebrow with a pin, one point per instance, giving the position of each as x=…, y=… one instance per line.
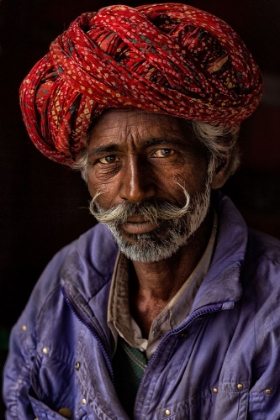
x=103, y=149
x=154, y=141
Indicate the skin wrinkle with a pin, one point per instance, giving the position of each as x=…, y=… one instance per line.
x=220, y=143
x=127, y=138
x=136, y=173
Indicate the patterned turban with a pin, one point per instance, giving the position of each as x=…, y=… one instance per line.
x=165, y=58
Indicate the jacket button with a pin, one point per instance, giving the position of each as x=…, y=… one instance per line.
x=77, y=365
x=24, y=328
x=65, y=412
x=239, y=386
x=84, y=401
x=183, y=335
x=268, y=391
x=167, y=412
x=45, y=350
x=215, y=390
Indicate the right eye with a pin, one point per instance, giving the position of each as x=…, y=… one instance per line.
x=108, y=159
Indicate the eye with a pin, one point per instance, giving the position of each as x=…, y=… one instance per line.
x=162, y=153
x=109, y=159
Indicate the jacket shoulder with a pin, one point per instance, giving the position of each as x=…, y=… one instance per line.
x=262, y=263
x=93, y=252
x=263, y=246
x=93, y=248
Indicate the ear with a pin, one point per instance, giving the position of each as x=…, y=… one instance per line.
x=221, y=172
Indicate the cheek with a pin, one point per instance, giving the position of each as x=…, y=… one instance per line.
x=193, y=179
x=106, y=188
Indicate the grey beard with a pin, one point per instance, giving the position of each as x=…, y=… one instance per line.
x=176, y=225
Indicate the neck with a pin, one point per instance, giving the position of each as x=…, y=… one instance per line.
x=154, y=284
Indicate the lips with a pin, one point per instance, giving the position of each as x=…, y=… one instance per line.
x=137, y=225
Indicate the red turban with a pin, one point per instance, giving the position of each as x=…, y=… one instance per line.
x=165, y=58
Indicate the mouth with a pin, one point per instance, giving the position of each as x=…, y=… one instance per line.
x=137, y=225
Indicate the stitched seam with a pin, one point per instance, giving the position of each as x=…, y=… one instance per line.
x=132, y=357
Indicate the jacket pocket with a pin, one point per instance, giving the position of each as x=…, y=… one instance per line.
x=190, y=409
x=43, y=412
x=231, y=404
x=217, y=405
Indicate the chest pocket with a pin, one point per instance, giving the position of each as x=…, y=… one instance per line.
x=217, y=405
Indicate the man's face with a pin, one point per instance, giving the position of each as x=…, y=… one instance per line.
x=144, y=167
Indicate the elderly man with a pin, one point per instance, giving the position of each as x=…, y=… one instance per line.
x=169, y=308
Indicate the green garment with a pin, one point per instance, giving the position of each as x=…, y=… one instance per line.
x=129, y=365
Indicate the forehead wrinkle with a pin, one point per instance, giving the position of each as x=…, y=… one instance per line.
x=133, y=126
x=103, y=149
x=150, y=131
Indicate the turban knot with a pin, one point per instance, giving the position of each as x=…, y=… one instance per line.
x=164, y=58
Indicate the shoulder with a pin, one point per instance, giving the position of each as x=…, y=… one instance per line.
x=261, y=276
x=236, y=240
x=93, y=249
x=263, y=253
x=91, y=256
x=263, y=244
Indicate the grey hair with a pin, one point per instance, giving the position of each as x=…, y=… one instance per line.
x=152, y=213
x=81, y=164
x=219, y=141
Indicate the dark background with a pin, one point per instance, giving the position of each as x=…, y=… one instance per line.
x=43, y=206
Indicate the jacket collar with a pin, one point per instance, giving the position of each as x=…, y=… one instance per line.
x=222, y=282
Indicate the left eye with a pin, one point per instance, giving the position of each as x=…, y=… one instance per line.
x=161, y=153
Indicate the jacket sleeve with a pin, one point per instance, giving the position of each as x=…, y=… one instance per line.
x=17, y=371
x=17, y=375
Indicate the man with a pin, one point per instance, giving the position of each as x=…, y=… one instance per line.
x=173, y=311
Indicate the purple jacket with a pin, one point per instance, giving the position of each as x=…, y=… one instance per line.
x=222, y=363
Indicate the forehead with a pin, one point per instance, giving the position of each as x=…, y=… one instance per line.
x=120, y=125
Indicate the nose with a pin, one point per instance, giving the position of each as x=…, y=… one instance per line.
x=137, y=184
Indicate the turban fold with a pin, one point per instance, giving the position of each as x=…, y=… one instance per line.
x=165, y=58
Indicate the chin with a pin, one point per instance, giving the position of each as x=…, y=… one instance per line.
x=150, y=247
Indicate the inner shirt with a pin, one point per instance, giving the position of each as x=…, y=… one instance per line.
x=119, y=318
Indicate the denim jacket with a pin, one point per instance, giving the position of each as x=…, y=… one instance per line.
x=221, y=363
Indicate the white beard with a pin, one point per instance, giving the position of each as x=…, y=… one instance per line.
x=165, y=240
